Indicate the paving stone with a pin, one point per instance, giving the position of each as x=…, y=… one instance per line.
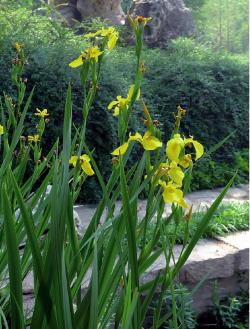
x=200, y=200
x=240, y=241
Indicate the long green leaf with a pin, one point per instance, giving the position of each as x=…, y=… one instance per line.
x=15, y=273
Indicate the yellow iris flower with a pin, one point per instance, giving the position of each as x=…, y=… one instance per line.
x=1, y=130
x=42, y=113
x=172, y=194
x=138, y=20
x=110, y=33
x=90, y=53
x=122, y=103
x=34, y=139
x=84, y=162
x=142, y=20
x=148, y=141
x=176, y=144
x=18, y=46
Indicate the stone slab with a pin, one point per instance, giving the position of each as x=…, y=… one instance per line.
x=200, y=200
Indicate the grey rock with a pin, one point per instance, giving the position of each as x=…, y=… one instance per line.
x=73, y=10
x=171, y=19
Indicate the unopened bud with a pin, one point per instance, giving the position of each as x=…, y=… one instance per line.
x=189, y=214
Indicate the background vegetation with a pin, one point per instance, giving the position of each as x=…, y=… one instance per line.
x=211, y=85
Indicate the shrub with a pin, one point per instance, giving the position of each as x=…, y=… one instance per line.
x=213, y=87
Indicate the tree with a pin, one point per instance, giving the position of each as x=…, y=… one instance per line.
x=222, y=23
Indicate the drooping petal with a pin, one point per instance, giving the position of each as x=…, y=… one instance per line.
x=112, y=104
x=77, y=62
x=136, y=137
x=174, y=147
x=171, y=194
x=121, y=149
x=199, y=149
x=86, y=167
x=112, y=41
x=92, y=34
x=150, y=142
x=116, y=111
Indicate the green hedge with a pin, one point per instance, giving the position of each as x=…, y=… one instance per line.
x=213, y=87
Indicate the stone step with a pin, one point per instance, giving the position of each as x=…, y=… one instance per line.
x=224, y=259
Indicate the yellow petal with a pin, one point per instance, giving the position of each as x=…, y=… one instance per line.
x=131, y=91
x=86, y=167
x=1, y=130
x=92, y=34
x=175, y=173
x=73, y=160
x=112, y=104
x=150, y=142
x=85, y=157
x=174, y=147
x=77, y=62
x=199, y=149
x=112, y=41
x=185, y=161
x=172, y=194
x=121, y=149
x=136, y=137
x=116, y=111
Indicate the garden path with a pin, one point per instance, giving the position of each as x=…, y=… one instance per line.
x=199, y=199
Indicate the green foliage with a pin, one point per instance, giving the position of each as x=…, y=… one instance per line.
x=222, y=23
x=232, y=313
x=213, y=88
x=230, y=217
x=185, y=314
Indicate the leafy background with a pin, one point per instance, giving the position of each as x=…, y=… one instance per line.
x=211, y=85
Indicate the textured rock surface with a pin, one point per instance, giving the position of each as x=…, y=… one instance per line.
x=171, y=19
x=211, y=260
x=79, y=9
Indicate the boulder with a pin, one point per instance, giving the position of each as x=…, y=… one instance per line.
x=73, y=10
x=170, y=19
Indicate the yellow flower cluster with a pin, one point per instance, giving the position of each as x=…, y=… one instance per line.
x=171, y=173
x=109, y=33
x=34, y=139
x=84, y=161
x=90, y=53
x=122, y=103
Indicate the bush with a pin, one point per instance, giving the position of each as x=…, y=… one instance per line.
x=213, y=88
